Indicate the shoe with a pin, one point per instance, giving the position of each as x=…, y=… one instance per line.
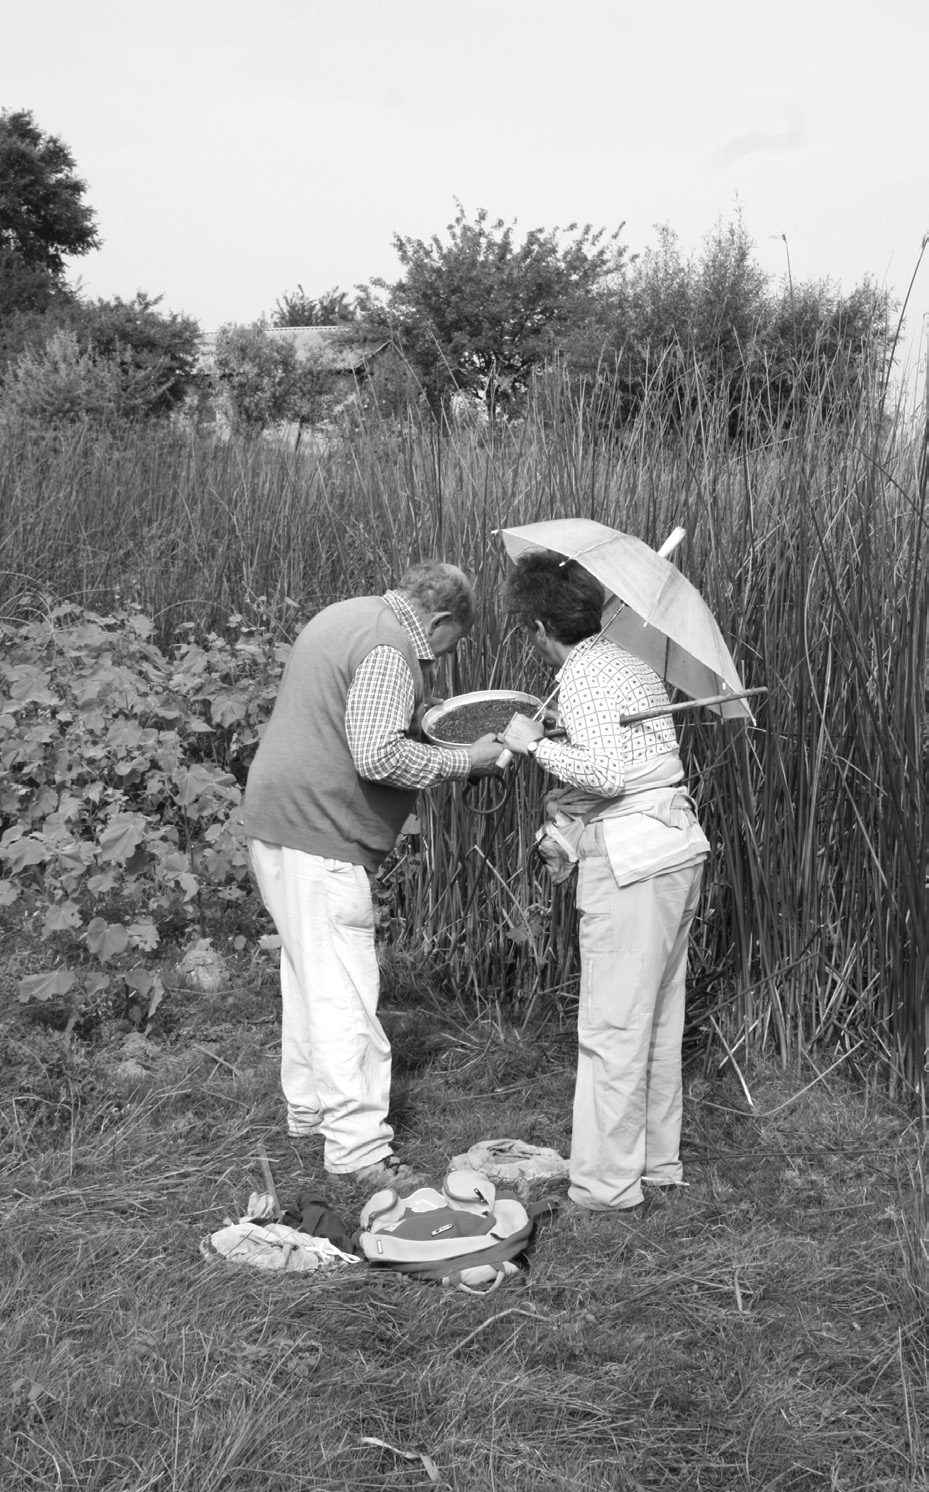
x=662, y=1193
x=391, y=1171
x=627, y=1214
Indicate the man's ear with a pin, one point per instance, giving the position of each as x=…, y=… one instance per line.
x=436, y=620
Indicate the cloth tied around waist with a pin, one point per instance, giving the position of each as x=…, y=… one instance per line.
x=651, y=828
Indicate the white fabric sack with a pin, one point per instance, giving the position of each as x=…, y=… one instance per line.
x=274, y=1246
x=512, y=1160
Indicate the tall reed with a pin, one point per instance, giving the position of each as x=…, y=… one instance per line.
x=808, y=545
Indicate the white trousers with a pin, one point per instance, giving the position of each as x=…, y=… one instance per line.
x=335, y=1057
x=628, y=1096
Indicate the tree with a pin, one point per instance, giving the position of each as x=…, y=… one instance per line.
x=674, y=330
x=114, y=359
x=262, y=382
x=156, y=352
x=43, y=217
x=333, y=308
x=477, y=314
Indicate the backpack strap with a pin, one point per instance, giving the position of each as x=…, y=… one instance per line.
x=382, y=1209
x=471, y=1191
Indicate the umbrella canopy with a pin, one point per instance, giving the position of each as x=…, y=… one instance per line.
x=663, y=619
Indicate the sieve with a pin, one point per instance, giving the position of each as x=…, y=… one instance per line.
x=478, y=696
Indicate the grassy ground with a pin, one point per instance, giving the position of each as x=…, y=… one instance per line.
x=765, y=1329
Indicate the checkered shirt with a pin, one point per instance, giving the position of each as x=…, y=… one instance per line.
x=599, y=682
x=379, y=709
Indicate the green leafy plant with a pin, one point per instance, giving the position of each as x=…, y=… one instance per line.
x=124, y=769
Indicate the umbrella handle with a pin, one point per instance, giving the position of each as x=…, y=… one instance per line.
x=671, y=542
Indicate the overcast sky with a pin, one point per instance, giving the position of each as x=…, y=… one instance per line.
x=233, y=149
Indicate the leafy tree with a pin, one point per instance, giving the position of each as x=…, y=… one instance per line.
x=333, y=308
x=43, y=217
x=156, y=352
x=822, y=349
x=479, y=312
x=262, y=382
x=106, y=360
x=673, y=330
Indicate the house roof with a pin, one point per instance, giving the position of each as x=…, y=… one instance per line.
x=341, y=348
x=337, y=349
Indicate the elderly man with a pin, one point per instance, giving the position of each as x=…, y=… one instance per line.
x=631, y=829
x=334, y=779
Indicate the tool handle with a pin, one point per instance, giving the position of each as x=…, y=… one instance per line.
x=690, y=704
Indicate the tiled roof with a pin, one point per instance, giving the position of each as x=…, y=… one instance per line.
x=339, y=349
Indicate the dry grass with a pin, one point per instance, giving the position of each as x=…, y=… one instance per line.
x=766, y=1329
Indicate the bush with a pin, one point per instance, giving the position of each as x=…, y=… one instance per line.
x=156, y=353
x=675, y=333
x=61, y=383
x=124, y=769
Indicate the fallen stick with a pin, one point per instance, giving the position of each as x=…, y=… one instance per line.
x=215, y=1057
x=268, y=1179
x=513, y=1311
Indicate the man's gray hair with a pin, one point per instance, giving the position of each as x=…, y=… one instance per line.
x=436, y=586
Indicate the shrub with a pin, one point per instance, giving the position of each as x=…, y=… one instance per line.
x=61, y=383
x=123, y=777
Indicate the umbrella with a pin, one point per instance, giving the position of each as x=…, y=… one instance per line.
x=663, y=619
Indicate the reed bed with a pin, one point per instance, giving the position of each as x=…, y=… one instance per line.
x=807, y=542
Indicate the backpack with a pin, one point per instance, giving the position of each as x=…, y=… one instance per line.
x=463, y=1235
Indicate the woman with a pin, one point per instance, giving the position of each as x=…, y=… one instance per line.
x=631, y=829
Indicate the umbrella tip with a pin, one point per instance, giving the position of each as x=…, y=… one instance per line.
x=671, y=542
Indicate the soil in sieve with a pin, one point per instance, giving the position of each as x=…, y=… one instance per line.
x=466, y=723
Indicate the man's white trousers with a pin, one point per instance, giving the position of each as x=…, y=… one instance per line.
x=335, y=1057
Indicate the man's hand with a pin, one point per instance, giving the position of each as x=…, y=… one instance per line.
x=484, y=754
x=520, y=731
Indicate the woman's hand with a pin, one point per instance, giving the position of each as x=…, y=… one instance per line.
x=520, y=731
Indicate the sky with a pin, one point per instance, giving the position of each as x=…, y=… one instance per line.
x=235, y=149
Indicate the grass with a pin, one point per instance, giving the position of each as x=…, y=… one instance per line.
x=765, y=1329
